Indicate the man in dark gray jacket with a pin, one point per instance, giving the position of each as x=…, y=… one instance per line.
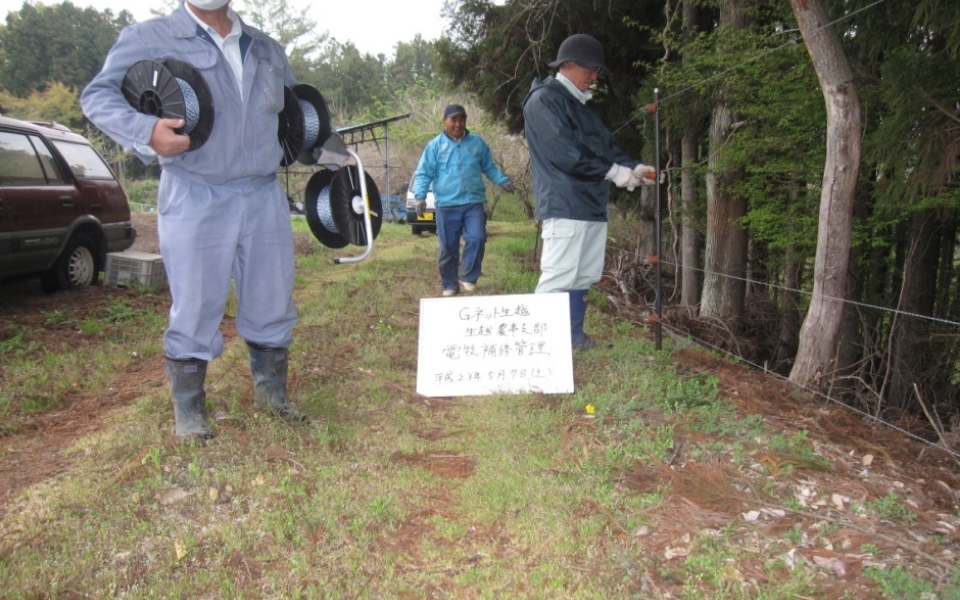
x=573, y=157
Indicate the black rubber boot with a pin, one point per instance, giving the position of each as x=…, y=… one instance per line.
x=189, y=399
x=269, y=369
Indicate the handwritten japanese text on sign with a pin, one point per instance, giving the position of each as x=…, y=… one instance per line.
x=480, y=345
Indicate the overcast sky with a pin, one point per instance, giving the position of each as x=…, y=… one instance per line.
x=374, y=26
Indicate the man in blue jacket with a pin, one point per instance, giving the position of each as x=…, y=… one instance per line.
x=453, y=162
x=573, y=157
x=223, y=214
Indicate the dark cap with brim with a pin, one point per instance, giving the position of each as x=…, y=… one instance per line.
x=584, y=50
x=453, y=110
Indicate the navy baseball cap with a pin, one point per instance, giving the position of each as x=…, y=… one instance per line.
x=453, y=109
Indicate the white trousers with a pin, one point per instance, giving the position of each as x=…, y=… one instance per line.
x=573, y=254
x=210, y=235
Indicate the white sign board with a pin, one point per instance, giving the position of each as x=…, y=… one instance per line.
x=480, y=345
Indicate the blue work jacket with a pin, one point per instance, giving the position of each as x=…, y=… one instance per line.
x=454, y=168
x=571, y=151
x=243, y=147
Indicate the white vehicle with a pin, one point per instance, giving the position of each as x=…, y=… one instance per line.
x=426, y=222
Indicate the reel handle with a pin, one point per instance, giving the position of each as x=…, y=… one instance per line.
x=367, y=222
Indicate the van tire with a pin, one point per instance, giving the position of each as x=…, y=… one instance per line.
x=77, y=266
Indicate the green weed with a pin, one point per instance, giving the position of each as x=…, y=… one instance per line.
x=382, y=510
x=686, y=394
x=794, y=534
x=118, y=310
x=895, y=582
x=892, y=508
x=16, y=345
x=56, y=318
x=90, y=326
x=635, y=443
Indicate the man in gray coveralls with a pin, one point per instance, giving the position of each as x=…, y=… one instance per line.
x=223, y=214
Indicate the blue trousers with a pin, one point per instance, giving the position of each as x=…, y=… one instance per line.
x=467, y=221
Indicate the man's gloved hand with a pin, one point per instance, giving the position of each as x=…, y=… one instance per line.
x=508, y=187
x=622, y=177
x=646, y=174
x=421, y=206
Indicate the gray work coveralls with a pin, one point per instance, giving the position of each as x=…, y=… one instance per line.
x=223, y=214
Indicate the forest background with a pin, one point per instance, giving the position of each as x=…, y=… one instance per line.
x=850, y=291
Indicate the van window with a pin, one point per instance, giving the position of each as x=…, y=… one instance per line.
x=20, y=164
x=83, y=160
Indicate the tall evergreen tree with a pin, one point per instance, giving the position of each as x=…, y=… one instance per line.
x=724, y=285
x=60, y=42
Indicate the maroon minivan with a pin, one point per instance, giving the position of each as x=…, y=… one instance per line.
x=61, y=208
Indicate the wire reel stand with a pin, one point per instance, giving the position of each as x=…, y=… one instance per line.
x=343, y=207
x=172, y=90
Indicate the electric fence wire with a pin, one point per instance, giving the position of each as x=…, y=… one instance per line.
x=311, y=124
x=825, y=297
x=820, y=394
x=324, y=211
x=796, y=385
x=191, y=105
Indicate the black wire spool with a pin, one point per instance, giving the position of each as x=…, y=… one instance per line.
x=290, y=128
x=172, y=90
x=334, y=207
x=304, y=124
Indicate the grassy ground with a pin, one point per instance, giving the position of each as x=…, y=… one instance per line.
x=642, y=484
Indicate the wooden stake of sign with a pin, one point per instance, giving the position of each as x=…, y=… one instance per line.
x=483, y=345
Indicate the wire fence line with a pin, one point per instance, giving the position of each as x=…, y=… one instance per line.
x=766, y=371
x=818, y=393
x=825, y=297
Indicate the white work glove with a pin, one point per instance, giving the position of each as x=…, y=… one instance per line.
x=645, y=174
x=622, y=177
x=508, y=187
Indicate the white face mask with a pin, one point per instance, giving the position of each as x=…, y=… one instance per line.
x=208, y=4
